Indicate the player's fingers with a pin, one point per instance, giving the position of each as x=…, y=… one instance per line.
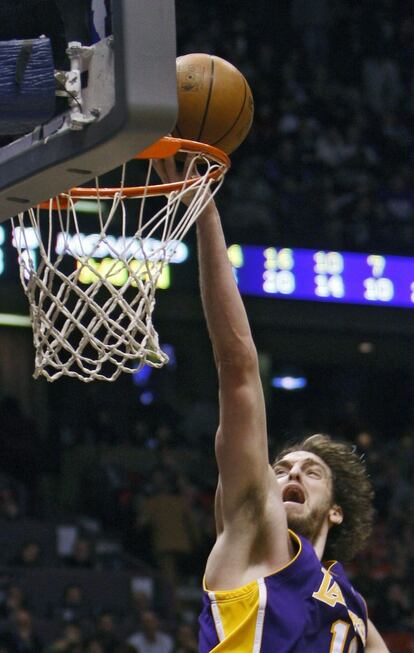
x=190, y=168
x=159, y=167
x=171, y=169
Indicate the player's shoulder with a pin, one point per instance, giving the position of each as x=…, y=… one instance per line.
x=304, y=565
x=339, y=573
x=307, y=575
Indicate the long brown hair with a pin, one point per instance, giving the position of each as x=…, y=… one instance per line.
x=351, y=489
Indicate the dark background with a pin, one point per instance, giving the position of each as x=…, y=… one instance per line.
x=328, y=164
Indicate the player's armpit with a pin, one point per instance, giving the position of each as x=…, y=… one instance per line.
x=241, y=441
x=251, y=542
x=375, y=643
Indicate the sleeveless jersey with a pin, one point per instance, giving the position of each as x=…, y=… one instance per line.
x=304, y=607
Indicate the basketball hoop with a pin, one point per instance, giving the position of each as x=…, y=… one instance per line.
x=93, y=321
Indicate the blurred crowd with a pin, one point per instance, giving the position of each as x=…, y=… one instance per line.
x=152, y=491
x=329, y=160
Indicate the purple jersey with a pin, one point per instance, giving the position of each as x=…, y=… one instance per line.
x=302, y=608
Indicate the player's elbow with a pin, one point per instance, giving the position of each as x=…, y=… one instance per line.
x=239, y=360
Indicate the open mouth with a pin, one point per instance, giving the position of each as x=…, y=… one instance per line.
x=293, y=493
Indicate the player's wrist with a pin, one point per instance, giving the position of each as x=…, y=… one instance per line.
x=210, y=212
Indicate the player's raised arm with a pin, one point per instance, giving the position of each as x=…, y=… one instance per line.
x=248, y=499
x=241, y=443
x=249, y=502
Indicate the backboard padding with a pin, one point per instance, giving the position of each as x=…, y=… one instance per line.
x=39, y=165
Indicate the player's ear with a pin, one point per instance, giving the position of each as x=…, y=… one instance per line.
x=336, y=516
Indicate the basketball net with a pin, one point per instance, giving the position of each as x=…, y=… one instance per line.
x=96, y=330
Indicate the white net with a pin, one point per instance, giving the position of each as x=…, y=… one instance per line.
x=91, y=320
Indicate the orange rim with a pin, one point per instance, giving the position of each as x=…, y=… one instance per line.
x=165, y=147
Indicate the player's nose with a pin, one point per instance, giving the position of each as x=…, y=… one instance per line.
x=295, y=472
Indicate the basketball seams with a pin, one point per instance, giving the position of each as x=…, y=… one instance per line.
x=215, y=101
x=237, y=118
x=206, y=110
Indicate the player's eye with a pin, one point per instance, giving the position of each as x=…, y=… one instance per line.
x=315, y=473
x=280, y=471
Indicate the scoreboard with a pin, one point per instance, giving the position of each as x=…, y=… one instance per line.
x=324, y=276
x=272, y=272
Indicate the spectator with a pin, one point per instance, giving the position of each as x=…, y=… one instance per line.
x=139, y=603
x=311, y=24
x=93, y=645
x=13, y=599
x=185, y=639
x=69, y=642
x=9, y=500
x=150, y=639
x=396, y=608
x=398, y=200
x=73, y=606
x=167, y=514
x=382, y=82
x=331, y=148
x=21, y=636
x=106, y=632
x=29, y=556
x=82, y=556
x=20, y=449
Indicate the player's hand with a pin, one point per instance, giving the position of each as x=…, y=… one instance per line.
x=169, y=172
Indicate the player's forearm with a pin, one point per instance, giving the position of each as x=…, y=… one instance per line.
x=223, y=307
x=375, y=643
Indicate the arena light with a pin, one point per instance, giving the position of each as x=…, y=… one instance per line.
x=147, y=398
x=141, y=377
x=289, y=379
x=9, y=319
x=87, y=206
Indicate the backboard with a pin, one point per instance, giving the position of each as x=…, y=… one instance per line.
x=122, y=56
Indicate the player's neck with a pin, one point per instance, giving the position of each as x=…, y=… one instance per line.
x=319, y=542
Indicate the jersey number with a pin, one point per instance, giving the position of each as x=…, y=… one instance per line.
x=339, y=630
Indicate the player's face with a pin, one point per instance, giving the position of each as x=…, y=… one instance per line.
x=306, y=485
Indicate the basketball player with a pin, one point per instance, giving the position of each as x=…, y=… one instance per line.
x=266, y=589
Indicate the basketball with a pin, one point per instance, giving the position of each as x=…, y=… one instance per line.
x=215, y=103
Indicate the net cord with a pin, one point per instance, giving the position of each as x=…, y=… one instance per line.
x=76, y=332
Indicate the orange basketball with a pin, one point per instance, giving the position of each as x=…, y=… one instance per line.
x=215, y=103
